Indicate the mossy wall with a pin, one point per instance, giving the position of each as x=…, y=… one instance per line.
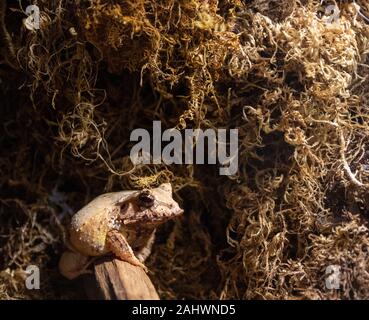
x=292, y=81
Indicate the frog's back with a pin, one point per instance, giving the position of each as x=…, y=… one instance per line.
x=90, y=225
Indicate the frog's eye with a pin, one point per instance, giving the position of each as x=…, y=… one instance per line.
x=124, y=206
x=146, y=199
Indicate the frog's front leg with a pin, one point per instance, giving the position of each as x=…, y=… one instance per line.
x=143, y=253
x=118, y=244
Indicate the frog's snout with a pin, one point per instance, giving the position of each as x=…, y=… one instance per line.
x=177, y=210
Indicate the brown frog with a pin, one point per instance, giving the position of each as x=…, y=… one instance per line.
x=122, y=223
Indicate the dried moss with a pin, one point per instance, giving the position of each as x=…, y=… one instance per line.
x=293, y=84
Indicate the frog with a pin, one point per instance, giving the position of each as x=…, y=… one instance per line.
x=122, y=224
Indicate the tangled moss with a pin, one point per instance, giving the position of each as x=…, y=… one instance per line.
x=292, y=82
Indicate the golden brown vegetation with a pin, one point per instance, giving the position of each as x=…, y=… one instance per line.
x=293, y=83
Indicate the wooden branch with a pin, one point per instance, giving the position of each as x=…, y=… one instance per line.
x=119, y=280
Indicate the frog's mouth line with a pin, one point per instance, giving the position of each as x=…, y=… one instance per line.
x=146, y=216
